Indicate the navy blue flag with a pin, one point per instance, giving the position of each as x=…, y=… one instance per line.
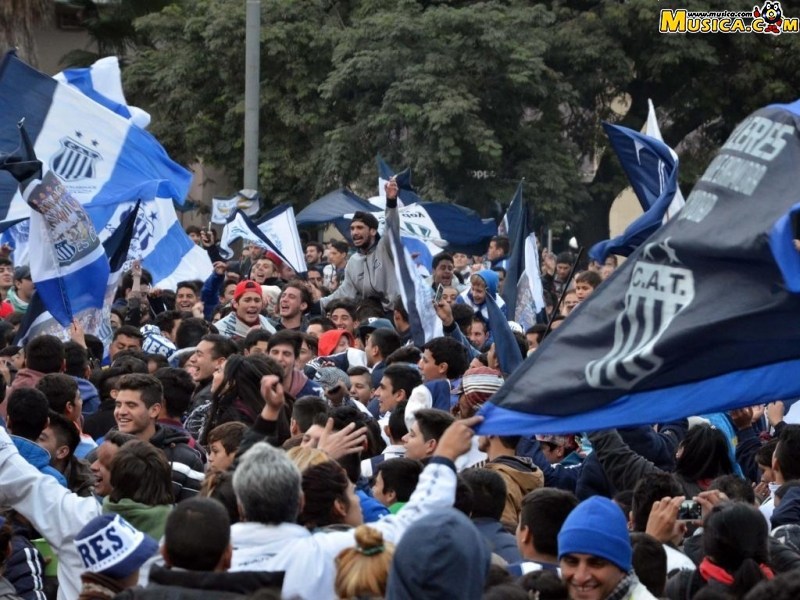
x=703, y=317
x=523, y=292
x=652, y=168
x=505, y=344
x=406, y=192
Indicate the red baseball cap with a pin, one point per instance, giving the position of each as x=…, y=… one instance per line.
x=248, y=285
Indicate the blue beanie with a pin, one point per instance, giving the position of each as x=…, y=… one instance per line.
x=597, y=527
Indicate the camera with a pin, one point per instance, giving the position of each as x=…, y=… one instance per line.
x=690, y=510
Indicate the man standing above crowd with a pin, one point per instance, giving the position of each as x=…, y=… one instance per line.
x=370, y=271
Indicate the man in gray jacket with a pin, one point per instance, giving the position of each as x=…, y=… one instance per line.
x=370, y=271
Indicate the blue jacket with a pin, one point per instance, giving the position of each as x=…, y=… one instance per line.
x=500, y=541
x=38, y=457
x=89, y=395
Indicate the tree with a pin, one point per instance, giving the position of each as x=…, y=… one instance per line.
x=18, y=18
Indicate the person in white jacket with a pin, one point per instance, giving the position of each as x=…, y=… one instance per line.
x=267, y=487
x=52, y=509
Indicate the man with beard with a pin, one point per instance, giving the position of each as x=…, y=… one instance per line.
x=370, y=271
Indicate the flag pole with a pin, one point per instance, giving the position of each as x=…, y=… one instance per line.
x=252, y=72
x=563, y=292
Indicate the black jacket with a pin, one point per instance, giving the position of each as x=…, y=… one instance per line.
x=186, y=463
x=167, y=584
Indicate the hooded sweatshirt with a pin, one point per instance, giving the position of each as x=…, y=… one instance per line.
x=148, y=519
x=38, y=457
x=330, y=339
x=521, y=476
x=441, y=557
x=491, y=280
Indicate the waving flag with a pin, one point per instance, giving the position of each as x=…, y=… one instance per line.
x=248, y=201
x=406, y=194
x=652, y=129
x=102, y=82
x=523, y=292
x=158, y=240
x=69, y=268
x=652, y=168
x=505, y=344
x=276, y=231
x=417, y=296
x=100, y=157
x=702, y=317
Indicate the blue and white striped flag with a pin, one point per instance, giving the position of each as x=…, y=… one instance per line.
x=102, y=82
x=100, y=157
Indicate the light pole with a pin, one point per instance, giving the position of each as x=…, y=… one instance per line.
x=252, y=82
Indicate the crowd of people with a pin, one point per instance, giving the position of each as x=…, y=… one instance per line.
x=265, y=435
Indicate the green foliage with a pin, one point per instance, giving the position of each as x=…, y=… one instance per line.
x=513, y=88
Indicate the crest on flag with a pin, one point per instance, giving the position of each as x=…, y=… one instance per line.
x=74, y=161
x=656, y=294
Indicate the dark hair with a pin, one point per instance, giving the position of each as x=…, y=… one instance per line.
x=127, y=280
x=651, y=487
x=448, y=350
x=118, y=438
x=400, y=475
x=705, y=454
x=477, y=318
x=300, y=285
x=765, y=453
x=505, y=591
x=340, y=246
x=160, y=361
x=286, y=337
x=59, y=389
x=544, y=585
x=398, y=306
x=464, y=499
x=190, y=332
x=327, y=324
x=489, y=493
x=320, y=248
x=149, y=388
x=239, y=394
x=787, y=453
x=386, y=340
x=323, y=484
x=230, y=435
x=178, y=389
x=735, y=488
x=165, y=320
x=403, y=377
x=140, y=472
x=650, y=562
x=253, y=337
x=28, y=412
x=785, y=586
x=312, y=343
x=347, y=305
x=439, y=258
x=543, y=511
x=128, y=331
x=44, y=353
x=565, y=258
x=591, y=277
x=462, y=315
x=65, y=431
x=735, y=537
x=306, y=409
x=432, y=423
x=397, y=421
x=407, y=355
x=342, y=416
x=502, y=242
x=369, y=308
x=196, y=534
x=221, y=347
x=188, y=284
x=76, y=359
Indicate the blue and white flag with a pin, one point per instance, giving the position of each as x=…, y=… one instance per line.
x=276, y=232
x=248, y=201
x=703, y=317
x=652, y=168
x=652, y=129
x=159, y=241
x=102, y=82
x=70, y=268
x=417, y=296
x=406, y=194
x=523, y=292
x=101, y=158
x=16, y=237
